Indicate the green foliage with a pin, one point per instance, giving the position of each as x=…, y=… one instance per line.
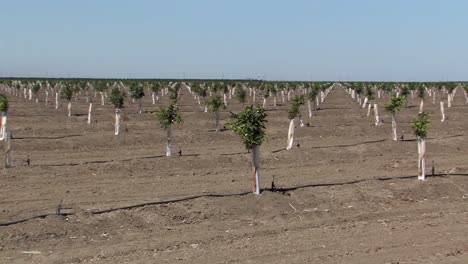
x=3, y=103
x=394, y=105
x=168, y=116
x=249, y=125
x=136, y=91
x=67, y=92
x=421, y=91
x=266, y=90
x=215, y=103
x=100, y=86
x=199, y=90
x=369, y=92
x=155, y=87
x=451, y=87
x=35, y=88
x=117, y=98
x=241, y=94
x=295, y=108
x=421, y=125
x=359, y=88
x=405, y=91
x=388, y=87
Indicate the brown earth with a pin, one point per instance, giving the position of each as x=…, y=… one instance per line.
x=352, y=198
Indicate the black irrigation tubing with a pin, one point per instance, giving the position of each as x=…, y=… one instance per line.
x=338, y=146
x=168, y=202
x=31, y=218
x=57, y=137
x=280, y=190
x=351, y=145
x=108, y=161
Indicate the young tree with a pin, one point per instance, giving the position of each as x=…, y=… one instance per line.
x=450, y=93
x=420, y=126
x=155, y=87
x=393, y=106
x=369, y=97
x=117, y=98
x=421, y=94
x=312, y=96
x=241, y=95
x=201, y=91
x=266, y=94
x=405, y=92
x=250, y=126
x=4, y=110
x=293, y=112
x=137, y=92
x=359, y=89
x=35, y=91
x=67, y=93
x=215, y=104
x=167, y=117
x=101, y=86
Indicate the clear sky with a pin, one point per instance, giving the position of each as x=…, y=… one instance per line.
x=404, y=40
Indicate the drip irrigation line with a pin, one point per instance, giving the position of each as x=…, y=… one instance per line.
x=280, y=190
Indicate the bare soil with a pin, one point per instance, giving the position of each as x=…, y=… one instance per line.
x=350, y=193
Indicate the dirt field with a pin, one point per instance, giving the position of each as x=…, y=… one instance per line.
x=351, y=193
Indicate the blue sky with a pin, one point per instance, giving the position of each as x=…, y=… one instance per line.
x=405, y=40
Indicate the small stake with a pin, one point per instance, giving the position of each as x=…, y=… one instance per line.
x=433, y=168
x=59, y=207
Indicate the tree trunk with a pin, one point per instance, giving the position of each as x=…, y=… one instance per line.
x=376, y=115
x=89, y=113
x=69, y=108
x=422, y=158
x=46, y=97
x=56, y=100
x=102, y=98
x=264, y=102
x=310, y=109
x=153, y=97
x=301, y=123
x=368, y=108
x=7, y=149
x=217, y=120
x=433, y=97
x=169, y=142
x=274, y=101
x=117, y=121
x=394, y=128
x=253, y=97
x=442, y=111
x=421, y=105
x=365, y=102
x=290, y=134
x=256, y=168
x=140, y=105
x=449, y=101
x=3, y=129
x=282, y=95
